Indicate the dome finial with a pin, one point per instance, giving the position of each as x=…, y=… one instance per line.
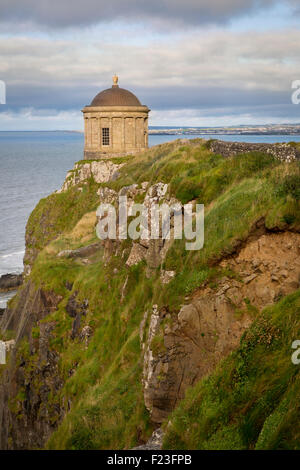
x=115, y=80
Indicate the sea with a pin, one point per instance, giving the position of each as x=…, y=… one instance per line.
x=34, y=164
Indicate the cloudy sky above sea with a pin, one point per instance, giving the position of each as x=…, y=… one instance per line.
x=193, y=62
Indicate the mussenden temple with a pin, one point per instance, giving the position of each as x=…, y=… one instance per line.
x=115, y=124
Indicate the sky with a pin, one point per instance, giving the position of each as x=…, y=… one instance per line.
x=192, y=62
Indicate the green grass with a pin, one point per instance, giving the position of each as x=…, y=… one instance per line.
x=59, y=213
x=112, y=413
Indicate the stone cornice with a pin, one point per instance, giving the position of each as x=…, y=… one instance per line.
x=115, y=109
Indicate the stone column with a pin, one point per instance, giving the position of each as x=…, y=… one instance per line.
x=124, y=143
x=111, y=133
x=85, y=132
x=99, y=132
x=146, y=132
x=89, y=132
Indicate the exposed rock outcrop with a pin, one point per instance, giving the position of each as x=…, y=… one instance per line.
x=5, y=347
x=154, y=443
x=153, y=251
x=167, y=276
x=180, y=349
x=137, y=254
x=82, y=252
x=102, y=171
x=10, y=281
x=76, y=310
x=32, y=305
x=27, y=416
x=86, y=334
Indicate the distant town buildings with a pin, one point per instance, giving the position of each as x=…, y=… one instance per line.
x=267, y=129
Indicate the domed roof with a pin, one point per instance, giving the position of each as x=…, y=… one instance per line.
x=115, y=96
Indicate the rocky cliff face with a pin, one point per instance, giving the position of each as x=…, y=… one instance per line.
x=10, y=282
x=209, y=326
x=109, y=335
x=101, y=171
x=26, y=416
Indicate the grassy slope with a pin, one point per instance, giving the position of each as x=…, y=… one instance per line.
x=105, y=389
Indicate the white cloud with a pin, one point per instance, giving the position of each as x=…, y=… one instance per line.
x=213, y=57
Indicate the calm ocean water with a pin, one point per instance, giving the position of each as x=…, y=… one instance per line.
x=34, y=164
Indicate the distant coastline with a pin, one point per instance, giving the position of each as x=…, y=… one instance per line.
x=267, y=129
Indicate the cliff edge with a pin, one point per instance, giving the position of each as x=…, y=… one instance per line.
x=113, y=339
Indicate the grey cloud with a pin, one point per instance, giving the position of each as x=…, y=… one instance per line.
x=285, y=112
x=62, y=13
x=209, y=72
x=207, y=99
x=211, y=97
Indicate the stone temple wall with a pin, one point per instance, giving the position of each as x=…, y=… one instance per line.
x=283, y=152
x=127, y=127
